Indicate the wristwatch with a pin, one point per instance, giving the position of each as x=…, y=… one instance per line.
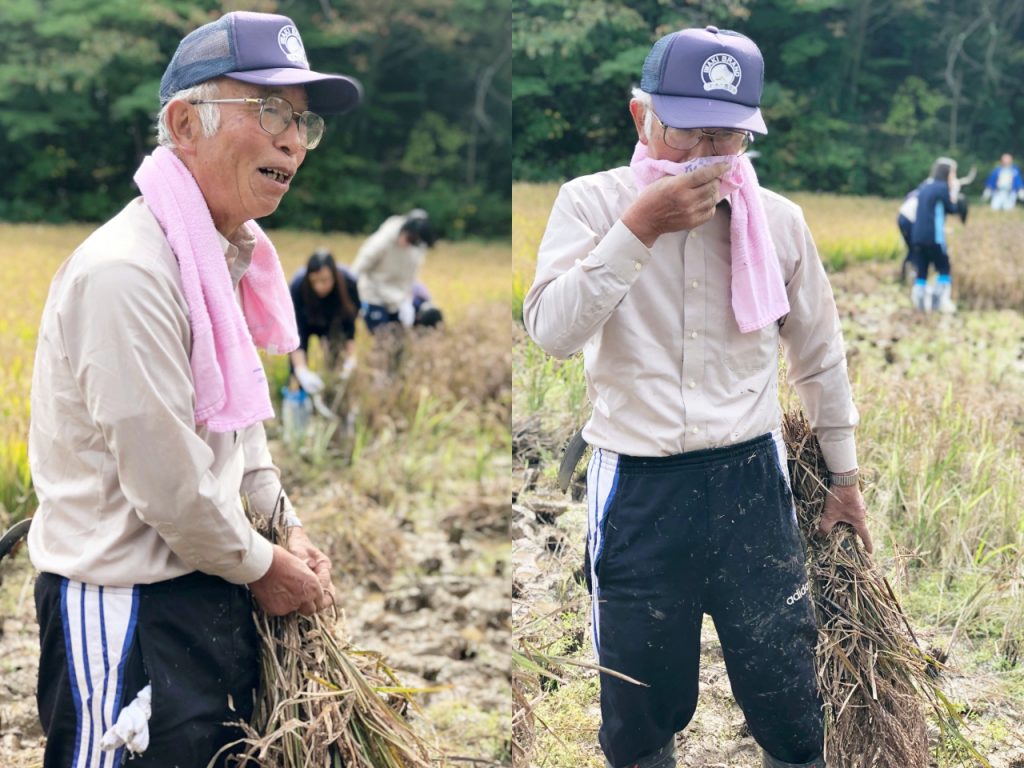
x=844, y=480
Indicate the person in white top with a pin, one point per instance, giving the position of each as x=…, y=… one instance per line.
x=690, y=510
x=387, y=265
x=148, y=563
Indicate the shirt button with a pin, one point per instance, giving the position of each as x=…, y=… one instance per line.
x=637, y=266
x=691, y=384
x=694, y=284
x=693, y=334
x=695, y=430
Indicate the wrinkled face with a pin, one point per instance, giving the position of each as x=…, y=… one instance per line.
x=657, y=149
x=242, y=170
x=322, y=281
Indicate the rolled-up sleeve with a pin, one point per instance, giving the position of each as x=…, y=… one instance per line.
x=125, y=338
x=812, y=340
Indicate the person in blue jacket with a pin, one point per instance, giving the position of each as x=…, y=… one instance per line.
x=936, y=197
x=908, y=215
x=1004, y=185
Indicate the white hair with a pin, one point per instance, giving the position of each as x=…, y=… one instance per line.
x=209, y=115
x=645, y=100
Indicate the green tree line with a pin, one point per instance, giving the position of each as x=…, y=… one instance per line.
x=79, y=84
x=860, y=95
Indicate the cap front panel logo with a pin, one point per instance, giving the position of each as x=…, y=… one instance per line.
x=291, y=45
x=721, y=72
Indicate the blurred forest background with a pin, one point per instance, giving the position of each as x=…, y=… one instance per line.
x=78, y=96
x=860, y=95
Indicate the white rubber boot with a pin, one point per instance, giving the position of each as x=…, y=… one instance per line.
x=919, y=297
x=943, y=301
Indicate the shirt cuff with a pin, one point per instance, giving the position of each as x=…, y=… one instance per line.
x=840, y=455
x=255, y=564
x=622, y=253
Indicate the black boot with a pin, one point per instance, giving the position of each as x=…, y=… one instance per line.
x=663, y=758
x=771, y=762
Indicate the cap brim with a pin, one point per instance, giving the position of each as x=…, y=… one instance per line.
x=328, y=94
x=689, y=112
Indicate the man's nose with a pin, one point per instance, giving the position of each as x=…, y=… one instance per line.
x=290, y=139
x=706, y=148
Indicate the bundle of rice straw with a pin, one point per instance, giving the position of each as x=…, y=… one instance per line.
x=873, y=675
x=324, y=704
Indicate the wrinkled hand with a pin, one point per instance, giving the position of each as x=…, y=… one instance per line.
x=845, y=504
x=289, y=585
x=300, y=546
x=675, y=203
x=310, y=382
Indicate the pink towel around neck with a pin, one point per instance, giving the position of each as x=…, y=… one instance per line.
x=230, y=384
x=758, y=289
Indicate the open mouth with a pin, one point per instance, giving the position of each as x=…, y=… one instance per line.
x=276, y=175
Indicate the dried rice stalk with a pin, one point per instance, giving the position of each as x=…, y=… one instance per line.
x=873, y=675
x=325, y=704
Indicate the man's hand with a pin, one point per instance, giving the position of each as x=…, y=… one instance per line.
x=300, y=546
x=675, y=203
x=288, y=586
x=845, y=504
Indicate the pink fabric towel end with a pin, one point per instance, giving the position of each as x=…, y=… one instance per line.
x=758, y=289
x=230, y=383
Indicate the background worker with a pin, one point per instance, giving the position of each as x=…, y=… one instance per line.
x=387, y=265
x=937, y=197
x=326, y=299
x=1004, y=185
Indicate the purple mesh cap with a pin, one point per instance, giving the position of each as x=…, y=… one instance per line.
x=259, y=48
x=706, y=78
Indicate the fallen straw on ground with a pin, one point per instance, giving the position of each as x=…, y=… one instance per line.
x=875, y=679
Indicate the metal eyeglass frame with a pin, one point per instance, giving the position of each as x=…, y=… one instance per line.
x=305, y=120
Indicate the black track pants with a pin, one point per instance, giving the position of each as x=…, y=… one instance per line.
x=192, y=638
x=670, y=539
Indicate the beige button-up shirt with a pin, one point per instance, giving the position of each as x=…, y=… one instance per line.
x=667, y=368
x=385, y=269
x=130, y=490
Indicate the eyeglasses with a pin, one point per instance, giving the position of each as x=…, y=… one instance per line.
x=723, y=140
x=276, y=114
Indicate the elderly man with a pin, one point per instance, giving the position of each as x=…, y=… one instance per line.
x=679, y=300
x=147, y=406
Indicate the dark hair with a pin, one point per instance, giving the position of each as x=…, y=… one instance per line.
x=417, y=228
x=941, y=168
x=323, y=311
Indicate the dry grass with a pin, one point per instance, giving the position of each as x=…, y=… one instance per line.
x=988, y=264
x=873, y=676
x=323, y=702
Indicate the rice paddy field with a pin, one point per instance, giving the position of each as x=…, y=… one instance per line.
x=940, y=443
x=408, y=492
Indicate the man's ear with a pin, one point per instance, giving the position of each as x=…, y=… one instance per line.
x=638, y=111
x=184, y=126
